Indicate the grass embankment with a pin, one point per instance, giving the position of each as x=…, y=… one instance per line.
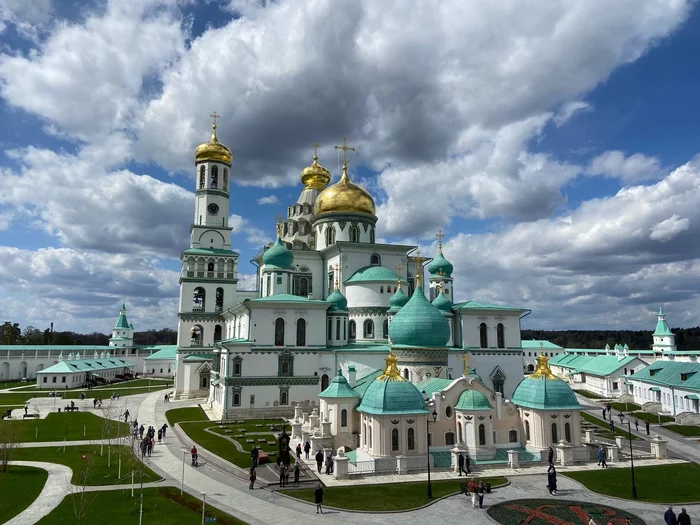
x=677, y=483
x=652, y=418
x=19, y=487
x=17, y=398
x=177, y=415
x=161, y=506
x=589, y=395
x=71, y=426
x=86, y=458
x=625, y=407
x=684, y=430
x=389, y=496
x=13, y=384
x=605, y=428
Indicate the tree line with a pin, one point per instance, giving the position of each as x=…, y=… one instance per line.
x=13, y=334
x=686, y=338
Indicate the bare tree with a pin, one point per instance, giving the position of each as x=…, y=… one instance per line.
x=110, y=426
x=81, y=496
x=9, y=441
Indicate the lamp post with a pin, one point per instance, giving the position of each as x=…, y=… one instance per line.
x=634, y=485
x=204, y=501
x=427, y=437
x=182, y=479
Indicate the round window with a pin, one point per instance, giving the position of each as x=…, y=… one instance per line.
x=448, y=412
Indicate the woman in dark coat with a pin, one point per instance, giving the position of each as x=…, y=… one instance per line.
x=318, y=498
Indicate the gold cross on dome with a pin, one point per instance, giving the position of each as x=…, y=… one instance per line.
x=465, y=358
x=440, y=236
x=315, y=145
x=278, y=224
x=345, y=149
x=215, y=116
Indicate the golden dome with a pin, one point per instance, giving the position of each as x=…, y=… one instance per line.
x=315, y=177
x=344, y=196
x=213, y=150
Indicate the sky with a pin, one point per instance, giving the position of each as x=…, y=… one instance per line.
x=555, y=143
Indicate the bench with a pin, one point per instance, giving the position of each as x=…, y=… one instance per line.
x=227, y=431
x=250, y=441
x=70, y=409
x=30, y=416
x=272, y=443
x=262, y=440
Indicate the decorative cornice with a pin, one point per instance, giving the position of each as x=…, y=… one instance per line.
x=212, y=281
x=374, y=310
x=272, y=381
x=200, y=317
x=212, y=192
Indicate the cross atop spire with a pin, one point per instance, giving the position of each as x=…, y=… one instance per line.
x=465, y=359
x=315, y=145
x=336, y=273
x=214, y=116
x=345, y=149
x=398, y=269
x=419, y=267
x=440, y=236
x=278, y=221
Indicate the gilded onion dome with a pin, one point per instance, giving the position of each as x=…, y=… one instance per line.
x=213, y=150
x=315, y=177
x=344, y=197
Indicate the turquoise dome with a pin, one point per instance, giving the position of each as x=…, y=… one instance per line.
x=391, y=394
x=398, y=300
x=419, y=323
x=473, y=400
x=339, y=387
x=279, y=256
x=440, y=266
x=442, y=303
x=337, y=300
x=544, y=391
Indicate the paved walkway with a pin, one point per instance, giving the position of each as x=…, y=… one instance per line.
x=52, y=494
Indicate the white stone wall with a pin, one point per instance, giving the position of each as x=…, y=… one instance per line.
x=470, y=328
x=375, y=294
x=540, y=424
x=263, y=319
x=485, y=363
x=159, y=367
x=377, y=319
x=673, y=401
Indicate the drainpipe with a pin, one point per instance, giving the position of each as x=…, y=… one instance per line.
x=250, y=317
x=673, y=400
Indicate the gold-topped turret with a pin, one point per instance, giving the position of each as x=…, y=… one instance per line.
x=542, y=370
x=213, y=150
x=315, y=176
x=391, y=371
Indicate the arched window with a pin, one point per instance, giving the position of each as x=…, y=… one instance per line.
x=202, y=176
x=337, y=329
x=217, y=333
x=283, y=398
x=527, y=430
x=304, y=286
x=375, y=260
x=512, y=436
x=364, y=434
x=567, y=432
x=459, y=432
x=343, y=418
x=214, y=177
x=411, y=439
x=482, y=435
x=198, y=299
x=405, y=373
x=449, y=438
x=219, y=303
x=331, y=282
x=236, y=399
x=530, y=368
x=268, y=281
x=385, y=329
x=500, y=337
x=395, y=440
x=225, y=179
x=330, y=328
x=354, y=234
x=368, y=329
x=381, y=289
x=330, y=235
x=369, y=436
x=324, y=382
x=210, y=267
x=483, y=336
x=352, y=330
x=236, y=368
x=279, y=332
x=555, y=435
x=301, y=332
x=448, y=412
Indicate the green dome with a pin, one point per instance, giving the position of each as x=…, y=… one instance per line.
x=337, y=300
x=419, y=323
x=339, y=387
x=278, y=255
x=373, y=274
x=442, y=303
x=391, y=394
x=473, y=400
x=440, y=266
x=544, y=391
x=397, y=300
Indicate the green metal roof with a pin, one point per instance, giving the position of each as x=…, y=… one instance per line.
x=419, y=324
x=86, y=365
x=370, y=274
x=122, y=323
x=278, y=255
x=432, y=385
x=339, y=387
x=570, y=361
x=337, y=301
x=367, y=346
x=542, y=393
x=535, y=343
x=385, y=397
x=442, y=303
x=287, y=298
x=197, y=357
x=363, y=383
x=670, y=374
x=471, y=400
x=440, y=266
x=661, y=325
x=474, y=305
x=603, y=365
x=236, y=340
x=397, y=300
x=165, y=352
x=208, y=251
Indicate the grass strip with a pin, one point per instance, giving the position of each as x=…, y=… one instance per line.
x=19, y=487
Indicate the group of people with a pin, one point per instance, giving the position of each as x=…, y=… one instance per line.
x=284, y=473
x=671, y=519
x=476, y=489
x=147, y=437
x=320, y=460
x=602, y=456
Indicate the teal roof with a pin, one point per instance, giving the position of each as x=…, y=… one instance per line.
x=570, y=361
x=670, y=373
x=385, y=397
x=432, y=385
x=373, y=274
x=208, y=251
x=198, y=357
x=442, y=303
x=661, y=325
x=603, y=365
x=234, y=340
x=397, y=300
x=337, y=301
x=165, y=352
x=363, y=383
x=419, y=324
x=287, y=298
x=122, y=323
x=474, y=305
x=545, y=393
x=339, y=387
x=440, y=266
x=535, y=343
x=363, y=346
x=86, y=365
x=278, y=255
x=473, y=400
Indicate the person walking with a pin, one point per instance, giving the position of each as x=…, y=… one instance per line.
x=318, y=498
x=298, y=450
x=319, y=460
x=604, y=418
x=126, y=415
x=195, y=456
x=160, y=435
x=646, y=424
x=611, y=423
x=467, y=463
x=670, y=517
x=460, y=464
x=252, y=476
x=552, y=480
x=296, y=473
x=550, y=455
x=254, y=455
x=475, y=496
x=636, y=424
x=602, y=457
x=165, y=429
x=307, y=449
x=282, y=470
x=482, y=489
x=141, y=430
x=683, y=518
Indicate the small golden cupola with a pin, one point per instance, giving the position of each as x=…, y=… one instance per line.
x=213, y=151
x=344, y=196
x=315, y=176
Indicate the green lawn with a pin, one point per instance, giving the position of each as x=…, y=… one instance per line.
x=684, y=430
x=69, y=425
x=605, y=429
x=589, y=395
x=251, y=425
x=652, y=418
x=176, y=415
x=19, y=487
x=22, y=397
x=389, y=496
x=663, y=484
x=155, y=384
x=162, y=506
x=625, y=407
x=14, y=384
x=100, y=473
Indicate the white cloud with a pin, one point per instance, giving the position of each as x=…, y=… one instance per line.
x=635, y=168
x=29, y=18
x=269, y=199
x=667, y=229
x=570, y=109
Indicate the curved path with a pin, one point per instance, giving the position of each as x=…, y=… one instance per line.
x=57, y=485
